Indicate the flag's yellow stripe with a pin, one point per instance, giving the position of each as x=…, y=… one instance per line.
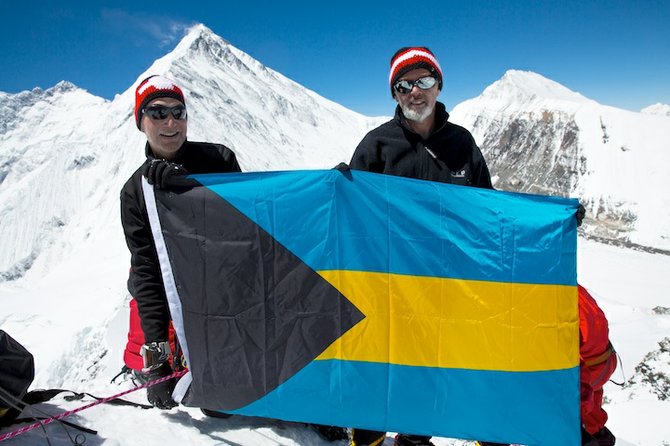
x=453, y=323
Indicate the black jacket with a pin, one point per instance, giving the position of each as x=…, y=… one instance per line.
x=449, y=155
x=145, y=282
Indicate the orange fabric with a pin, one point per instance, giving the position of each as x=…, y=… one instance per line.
x=597, y=360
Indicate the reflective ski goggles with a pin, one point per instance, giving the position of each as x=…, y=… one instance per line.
x=405, y=86
x=161, y=112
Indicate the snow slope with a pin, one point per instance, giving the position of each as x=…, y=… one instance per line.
x=657, y=109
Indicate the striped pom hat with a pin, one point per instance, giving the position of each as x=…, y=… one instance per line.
x=155, y=87
x=410, y=58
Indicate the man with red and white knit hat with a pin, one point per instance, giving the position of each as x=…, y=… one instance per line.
x=419, y=142
x=160, y=113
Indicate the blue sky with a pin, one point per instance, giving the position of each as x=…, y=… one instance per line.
x=615, y=52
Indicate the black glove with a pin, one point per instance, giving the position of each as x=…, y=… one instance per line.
x=160, y=395
x=160, y=173
x=581, y=212
x=343, y=167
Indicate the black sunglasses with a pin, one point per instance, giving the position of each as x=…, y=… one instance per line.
x=161, y=112
x=405, y=86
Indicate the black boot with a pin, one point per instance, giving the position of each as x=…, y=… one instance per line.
x=604, y=437
x=330, y=433
x=412, y=440
x=363, y=437
x=216, y=413
x=587, y=439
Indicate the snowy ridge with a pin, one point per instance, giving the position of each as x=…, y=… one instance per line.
x=657, y=109
x=540, y=137
x=13, y=104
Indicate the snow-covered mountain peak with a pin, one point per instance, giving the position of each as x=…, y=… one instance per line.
x=200, y=40
x=657, y=109
x=202, y=46
x=523, y=87
x=63, y=87
x=198, y=31
x=39, y=93
x=202, y=49
x=30, y=97
x=13, y=107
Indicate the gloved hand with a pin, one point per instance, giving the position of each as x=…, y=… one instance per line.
x=343, y=167
x=160, y=173
x=581, y=212
x=160, y=395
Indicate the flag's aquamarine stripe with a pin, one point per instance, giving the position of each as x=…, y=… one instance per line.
x=504, y=407
x=362, y=221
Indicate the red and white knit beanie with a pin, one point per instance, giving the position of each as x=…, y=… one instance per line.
x=410, y=58
x=155, y=87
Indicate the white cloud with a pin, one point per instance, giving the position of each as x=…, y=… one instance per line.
x=161, y=29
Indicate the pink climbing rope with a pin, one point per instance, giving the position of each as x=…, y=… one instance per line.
x=87, y=406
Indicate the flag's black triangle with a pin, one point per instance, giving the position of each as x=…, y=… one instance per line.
x=254, y=313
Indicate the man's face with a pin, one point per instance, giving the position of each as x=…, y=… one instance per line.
x=418, y=104
x=165, y=136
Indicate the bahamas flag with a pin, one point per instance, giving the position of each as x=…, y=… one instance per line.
x=373, y=301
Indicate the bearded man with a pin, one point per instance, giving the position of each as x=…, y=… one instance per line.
x=420, y=142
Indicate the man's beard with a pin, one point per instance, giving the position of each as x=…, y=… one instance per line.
x=417, y=115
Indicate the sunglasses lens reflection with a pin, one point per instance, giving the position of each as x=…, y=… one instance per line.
x=424, y=83
x=160, y=112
